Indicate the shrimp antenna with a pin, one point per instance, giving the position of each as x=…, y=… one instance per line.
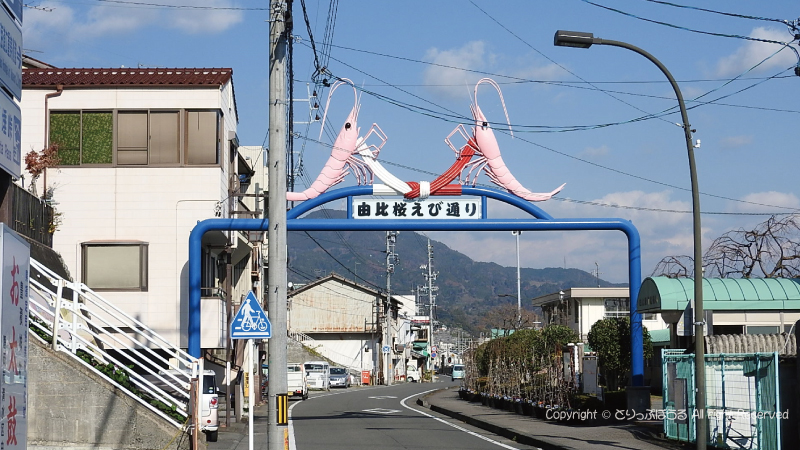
x=330, y=94
x=497, y=87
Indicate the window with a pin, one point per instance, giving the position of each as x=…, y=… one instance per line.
x=202, y=136
x=115, y=266
x=649, y=316
x=617, y=307
x=83, y=137
x=148, y=138
x=765, y=329
x=136, y=137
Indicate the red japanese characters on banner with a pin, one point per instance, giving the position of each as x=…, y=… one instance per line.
x=15, y=257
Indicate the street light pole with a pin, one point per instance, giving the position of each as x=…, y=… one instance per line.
x=519, y=290
x=585, y=40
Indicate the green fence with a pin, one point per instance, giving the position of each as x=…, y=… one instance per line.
x=742, y=399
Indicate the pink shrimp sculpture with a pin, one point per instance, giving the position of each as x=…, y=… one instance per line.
x=342, y=154
x=489, y=159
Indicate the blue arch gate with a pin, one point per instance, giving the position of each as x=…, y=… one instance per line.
x=539, y=220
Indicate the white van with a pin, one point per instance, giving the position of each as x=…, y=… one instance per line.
x=318, y=374
x=209, y=401
x=412, y=373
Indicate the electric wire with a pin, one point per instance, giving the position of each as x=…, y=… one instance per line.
x=621, y=172
x=526, y=128
x=693, y=30
x=144, y=5
x=339, y=262
x=508, y=30
x=740, y=16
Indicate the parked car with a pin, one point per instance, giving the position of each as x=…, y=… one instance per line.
x=339, y=377
x=318, y=375
x=209, y=401
x=458, y=372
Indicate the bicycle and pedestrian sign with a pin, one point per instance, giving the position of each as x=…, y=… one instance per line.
x=251, y=321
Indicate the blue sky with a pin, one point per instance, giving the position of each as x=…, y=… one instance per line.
x=417, y=63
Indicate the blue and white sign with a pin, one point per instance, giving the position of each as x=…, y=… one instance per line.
x=10, y=136
x=251, y=321
x=386, y=349
x=15, y=6
x=431, y=208
x=10, y=54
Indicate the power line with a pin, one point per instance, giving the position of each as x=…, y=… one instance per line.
x=130, y=4
x=600, y=166
x=740, y=16
x=667, y=24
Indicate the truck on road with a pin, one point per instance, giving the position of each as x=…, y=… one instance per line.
x=296, y=380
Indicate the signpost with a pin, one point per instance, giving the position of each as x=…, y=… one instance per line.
x=251, y=322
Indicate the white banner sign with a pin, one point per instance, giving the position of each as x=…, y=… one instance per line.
x=431, y=208
x=15, y=253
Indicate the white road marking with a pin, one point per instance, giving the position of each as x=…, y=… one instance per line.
x=381, y=411
x=381, y=397
x=403, y=402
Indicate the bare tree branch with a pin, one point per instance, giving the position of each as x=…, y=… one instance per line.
x=770, y=250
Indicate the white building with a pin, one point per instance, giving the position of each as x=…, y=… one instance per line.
x=343, y=321
x=144, y=155
x=580, y=308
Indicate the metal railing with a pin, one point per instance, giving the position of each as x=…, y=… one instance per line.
x=99, y=335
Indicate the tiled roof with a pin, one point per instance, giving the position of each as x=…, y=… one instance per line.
x=125, y=77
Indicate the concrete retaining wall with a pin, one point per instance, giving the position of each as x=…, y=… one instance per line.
x=70, y=406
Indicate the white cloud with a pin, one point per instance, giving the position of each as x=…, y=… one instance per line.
x=753, y=52
x=66, y=25
x=736, y=141
x=661, y=233
x=594, y=152
x=448, y=77
x=201, y=21
x=766, y=202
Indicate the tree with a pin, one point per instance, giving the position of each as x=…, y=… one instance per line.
x=504, y=317
x=36, y=163
x=770, y=250
x=611, y=339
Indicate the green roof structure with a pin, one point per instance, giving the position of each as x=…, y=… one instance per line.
x=720, y=294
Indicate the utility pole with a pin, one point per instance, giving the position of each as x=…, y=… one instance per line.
x=430, y=276
x=597, y=273
x=391, y=260
x=280, y=25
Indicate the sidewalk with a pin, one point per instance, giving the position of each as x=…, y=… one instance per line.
x=550, y=435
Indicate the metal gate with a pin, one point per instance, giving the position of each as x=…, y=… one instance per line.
x=742, y=399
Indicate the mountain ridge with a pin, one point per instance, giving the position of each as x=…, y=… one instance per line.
x=468, y=289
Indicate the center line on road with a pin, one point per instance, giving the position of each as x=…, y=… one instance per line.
x=403, y=402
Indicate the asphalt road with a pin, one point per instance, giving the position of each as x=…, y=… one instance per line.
x=383, y=417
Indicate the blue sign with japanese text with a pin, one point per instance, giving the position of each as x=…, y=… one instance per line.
x=431, y=208
x=10, y=136
x=10, y=54
x=15, y=6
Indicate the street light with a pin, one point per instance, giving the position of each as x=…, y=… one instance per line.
x=585, y=40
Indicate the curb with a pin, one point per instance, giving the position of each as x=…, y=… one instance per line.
x=530, y=440
x=492, y=428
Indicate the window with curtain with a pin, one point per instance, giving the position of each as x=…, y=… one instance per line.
x=115, y=266
x=136, y=137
